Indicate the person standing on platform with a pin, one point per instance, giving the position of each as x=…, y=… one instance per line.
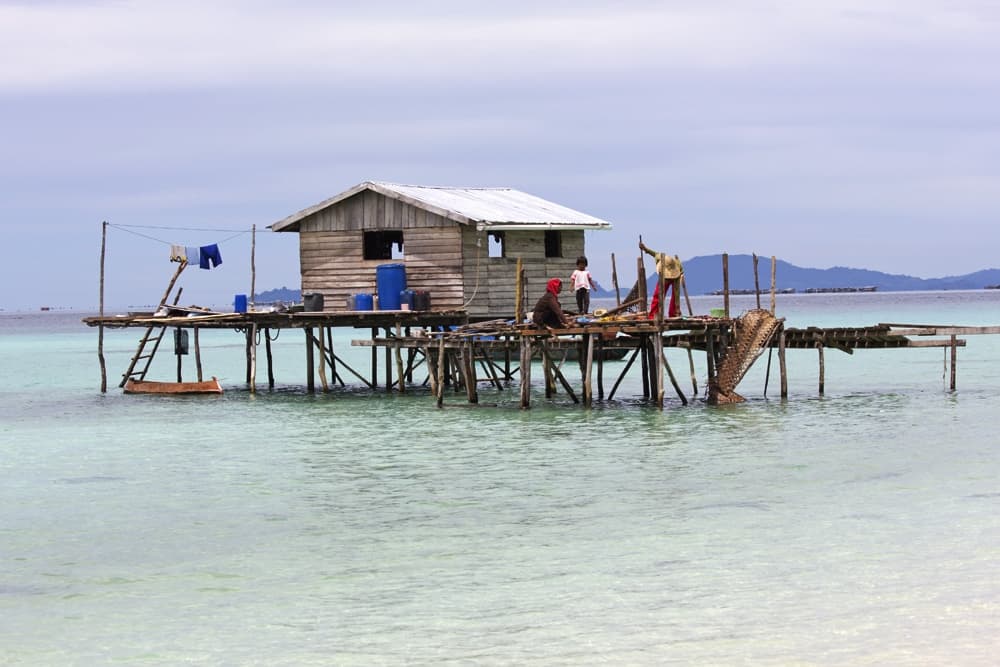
x=583, y=282
x=548, y=311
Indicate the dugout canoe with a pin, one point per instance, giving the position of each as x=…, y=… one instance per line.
x=153, y=387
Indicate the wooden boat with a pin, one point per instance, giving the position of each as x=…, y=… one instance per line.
x=152, y=387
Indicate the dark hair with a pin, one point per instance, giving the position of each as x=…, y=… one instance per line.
x=582, y=259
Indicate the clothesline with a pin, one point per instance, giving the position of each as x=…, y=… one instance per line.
x=188, y=229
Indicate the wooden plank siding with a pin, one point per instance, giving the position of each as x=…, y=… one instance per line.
x=497, y=287
x=440, y=255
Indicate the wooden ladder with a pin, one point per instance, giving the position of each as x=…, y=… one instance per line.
x=154, y=334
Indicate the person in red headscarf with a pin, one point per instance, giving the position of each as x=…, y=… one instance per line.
x=548, y=311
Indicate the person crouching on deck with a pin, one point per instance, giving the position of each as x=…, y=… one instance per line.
x=548, y=311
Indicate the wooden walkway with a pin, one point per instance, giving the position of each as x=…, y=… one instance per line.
x=442, y=349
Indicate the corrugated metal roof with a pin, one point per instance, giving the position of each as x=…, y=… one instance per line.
x=493, y=208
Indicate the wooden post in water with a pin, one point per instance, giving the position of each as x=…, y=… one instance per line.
x=756, y=281
x=710, y=356
x=197, y=353
x=588, y=386
x=725, y=283
x=322, y=361
x=100, y=328
x=310, y=366
x=374, y=359
x=954, y=360
x=400, y=375
x=782, y=366
x=253, y=358
x=270, y=359
x=822, y=369
x=658, y=349
x=177, y=352
x=547, y=374
x=525, y=372
x=469, y=364
x=440, y=371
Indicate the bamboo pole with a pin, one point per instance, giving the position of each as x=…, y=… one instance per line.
x=756, y=281
x=100, y=328
x=725, y=283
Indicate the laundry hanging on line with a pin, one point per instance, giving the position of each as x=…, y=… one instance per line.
x=206, y=256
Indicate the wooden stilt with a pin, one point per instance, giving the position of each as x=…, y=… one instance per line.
x=249, y=355
x=469, y=367
x=694, y=378
x=197, y=354
x=177, y=334
x=782, y=368
x=559, y=376
x=310, y=366
x=253, y=358
x=270, y=359
x=600, y=368
x=550, y=381
x=767, y=373
x=822, y=369
x=644, y=358
x=710, y=357
x=388, y=365
x=100, y=327
x=374, y=360
x=441, y=363
x=525, y=372
x=954, y=361
x=673, y=380
x=588, y=387
x=322, y=360
x=400, y=375
x=660, y=361
x=431, y=370
x=624, y=372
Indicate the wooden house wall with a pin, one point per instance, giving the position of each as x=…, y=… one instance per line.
x=496, y=292
x=331, y=254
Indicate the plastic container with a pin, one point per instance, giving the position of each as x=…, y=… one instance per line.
x=390, y=280
x=363, y=302
x=240, y=303
x=717, y=312
x=312, y=303
x=421, y=300
x=406, y=299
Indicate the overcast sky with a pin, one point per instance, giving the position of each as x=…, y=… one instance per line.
x=856, y=133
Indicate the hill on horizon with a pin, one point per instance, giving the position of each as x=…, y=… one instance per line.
x=704, y=276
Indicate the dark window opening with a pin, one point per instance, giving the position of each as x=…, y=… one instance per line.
x=384, y=244
x=553, y=243
x=496, y=244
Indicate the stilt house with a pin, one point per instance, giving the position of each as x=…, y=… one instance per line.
x=461, y=245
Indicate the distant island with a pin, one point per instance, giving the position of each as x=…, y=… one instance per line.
x=703, y=275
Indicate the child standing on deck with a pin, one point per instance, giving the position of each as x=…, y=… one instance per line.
x=583, y=282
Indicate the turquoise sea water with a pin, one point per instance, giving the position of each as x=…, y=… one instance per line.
x=359, y=528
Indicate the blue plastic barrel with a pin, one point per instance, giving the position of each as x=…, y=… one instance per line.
x=363, y=302
x=390, y=280
x=406, y=299
x=240, y=303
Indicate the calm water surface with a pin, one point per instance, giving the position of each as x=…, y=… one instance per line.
x=858, y=528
